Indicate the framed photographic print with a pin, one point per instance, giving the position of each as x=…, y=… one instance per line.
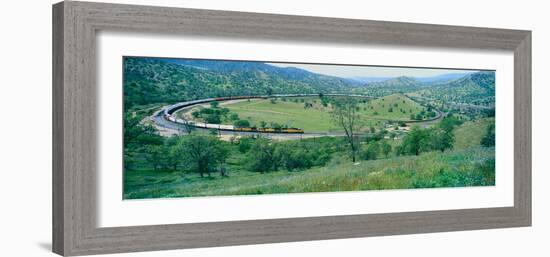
x=182, y=128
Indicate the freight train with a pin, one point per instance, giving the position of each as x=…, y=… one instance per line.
x=270, y=130
x=168, y=114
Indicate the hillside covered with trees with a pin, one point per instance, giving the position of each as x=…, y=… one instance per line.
x=157, y=80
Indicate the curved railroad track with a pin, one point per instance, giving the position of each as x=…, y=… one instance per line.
x=166, y=118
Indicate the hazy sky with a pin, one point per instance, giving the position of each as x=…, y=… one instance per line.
x=368, y=71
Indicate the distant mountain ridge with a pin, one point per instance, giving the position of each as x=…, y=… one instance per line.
x=483, y=80
x=442, y=78
x=366, y=80
x=475, y=88
x=291, y=73
x=459, y=86
x=164, y=80
x=402, y=81
x=409, y=80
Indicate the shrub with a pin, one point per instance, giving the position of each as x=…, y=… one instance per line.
x=262, y=156
x=370, y=151
x=488, y=139
x=385, y=148
x=241, y=123
x=214, y=104
x=293, y=157
x=212, y=118
x=234, y=117
x=245, y=144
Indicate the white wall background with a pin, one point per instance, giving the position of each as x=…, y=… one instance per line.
x=25, y=130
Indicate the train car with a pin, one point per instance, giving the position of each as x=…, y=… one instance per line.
x=270, y=130
x=168, y=114
x=227, y=127
x=266, y=130
x=293, y=130
x=246, y=129
x=201, y=125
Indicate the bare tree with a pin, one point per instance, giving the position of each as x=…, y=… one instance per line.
x=346, y=116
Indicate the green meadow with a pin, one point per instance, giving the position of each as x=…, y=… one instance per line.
x=293, y=112
x=471, y=167
x=287, y=112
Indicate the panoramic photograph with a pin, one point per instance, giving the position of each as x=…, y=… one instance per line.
x=198, y=127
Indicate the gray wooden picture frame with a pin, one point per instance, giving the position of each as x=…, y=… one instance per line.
x=75, y=25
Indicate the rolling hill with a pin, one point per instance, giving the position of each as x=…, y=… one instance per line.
x=402, y=81
x=476, y=88
x=154, y=80
x=163, y=80
x=393, y=107
x=401, y=84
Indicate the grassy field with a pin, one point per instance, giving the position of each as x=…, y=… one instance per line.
x=316, y=118
x=458, y=168
x=468, y=164
x=392, y=107
x=470, y=133
x=292, y=114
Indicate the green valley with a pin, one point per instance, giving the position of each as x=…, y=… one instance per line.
x=197, y=127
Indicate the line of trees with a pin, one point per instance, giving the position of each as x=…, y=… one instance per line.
x=264, y=155
x=437, y=138
x=207, y=154
x=143, y=146
x=203, y=154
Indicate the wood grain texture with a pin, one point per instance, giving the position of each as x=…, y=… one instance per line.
x=75, y=25
x=58, y=218
x=522, y=128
